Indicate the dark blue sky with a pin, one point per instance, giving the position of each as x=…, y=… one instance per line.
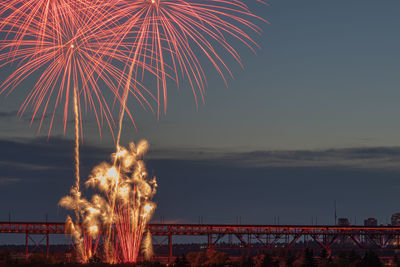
x=326, y=76
x=317, y=104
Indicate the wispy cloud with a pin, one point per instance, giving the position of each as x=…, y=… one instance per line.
x=26, y=116
x=376, y=157
x=25, y=166
x=9, y=180
x=41, y=154
x=8, y=114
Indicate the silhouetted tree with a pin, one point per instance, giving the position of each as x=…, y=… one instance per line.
x=197, y=258
x=181, y=262
x=290, y=260
x=217, y=258
x=353, y=257
x=323, y=257
x=342, y=255
x=308, y=258
x=37, y=259
x=246, y=261
x=324, y=254
x=266, y=260
x=396, y=261
x=149, y=264
x=285, y=257
x=370, y=259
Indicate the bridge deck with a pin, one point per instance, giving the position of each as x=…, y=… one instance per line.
x=266, y=237
x=206, y=229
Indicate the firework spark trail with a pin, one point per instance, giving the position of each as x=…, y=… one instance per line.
x=77, y=163
x=52, y=34
x=120, y=122
x=73, y=49
x=179, y=31
x=77, y=157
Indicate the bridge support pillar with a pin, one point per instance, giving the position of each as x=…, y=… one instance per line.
x=47, y=244
x=170, y=247
x=26, y=246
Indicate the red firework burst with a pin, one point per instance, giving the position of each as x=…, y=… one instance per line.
x=177, y=31
x=68, y=45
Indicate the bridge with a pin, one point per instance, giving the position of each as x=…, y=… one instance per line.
x=244, y=237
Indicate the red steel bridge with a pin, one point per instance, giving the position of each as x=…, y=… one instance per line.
x=225, y=237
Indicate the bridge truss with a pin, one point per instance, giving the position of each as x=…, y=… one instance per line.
x=249, y=237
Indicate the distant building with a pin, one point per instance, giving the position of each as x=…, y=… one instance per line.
x=396, y=219
x=343, y=222
x=371, y=222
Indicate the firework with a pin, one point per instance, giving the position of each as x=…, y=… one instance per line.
x=172, y=31
x=74, y=55
x=177, y=32
x=71, y=51
x=127, y=217
x=78, y=47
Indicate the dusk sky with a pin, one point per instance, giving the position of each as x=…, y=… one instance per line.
x=312, y=118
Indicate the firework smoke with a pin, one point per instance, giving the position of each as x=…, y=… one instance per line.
x=124, y=220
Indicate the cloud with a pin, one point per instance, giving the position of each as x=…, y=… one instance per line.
x=8, y=180
x=26, y=166
x=40, y=154
x=371, y=158
x=26, y=116
x=36, y=173
x=8, y=114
